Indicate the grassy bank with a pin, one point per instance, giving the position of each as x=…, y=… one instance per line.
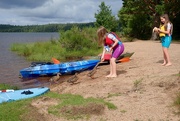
x=6, y=86
x=73, y=44
x=59, y=105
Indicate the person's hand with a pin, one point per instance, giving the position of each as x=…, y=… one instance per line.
x=102, y=59
x=110, y=49
x=158, y=29
x=155, y=29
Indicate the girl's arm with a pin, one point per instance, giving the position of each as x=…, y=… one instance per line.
x=112, y=37
x=102, y=56
x=115, y=43
x=165, y=32
x=168, y=31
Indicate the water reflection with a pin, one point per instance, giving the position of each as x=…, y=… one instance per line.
x=40, y=81
x=11, y=64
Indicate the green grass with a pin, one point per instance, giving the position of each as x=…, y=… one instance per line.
x=177, y=102
x=75, y=106
x=73, y=44
x=6, y=86
x=12, y=111
x=69, y=106
x=114, y=94
x=123, y=111
x=177, y=98
x=137, y=82
x=39, y=51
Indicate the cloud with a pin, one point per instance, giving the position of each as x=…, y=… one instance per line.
x=10, y=4
x=28, y=12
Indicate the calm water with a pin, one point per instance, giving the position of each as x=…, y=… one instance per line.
x=11, y=63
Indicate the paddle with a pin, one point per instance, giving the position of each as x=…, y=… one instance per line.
x=93, y=71
x=126, y=59
x=124, y=55
x=55, y=61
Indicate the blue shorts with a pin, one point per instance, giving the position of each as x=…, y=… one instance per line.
x=166, y=41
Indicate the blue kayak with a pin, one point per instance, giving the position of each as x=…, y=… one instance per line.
x=50, y=69
x=13, y=95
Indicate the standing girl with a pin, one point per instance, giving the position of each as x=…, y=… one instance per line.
x=165, y=32
x=115, y=45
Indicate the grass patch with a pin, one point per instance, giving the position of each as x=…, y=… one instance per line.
x=177, y=99
x=68, y=106
x=6, y=86
x=137, y=85
x=73, y=44
x=112, y=95
x=123, y=111
x=12, y=111
x=75, y=106
x=177, y=103
x=178, y=74
x=39, y=51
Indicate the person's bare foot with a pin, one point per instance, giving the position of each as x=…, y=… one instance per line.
x=112, y=76
x=168, y=64
x=108, y=75
x=163, y=64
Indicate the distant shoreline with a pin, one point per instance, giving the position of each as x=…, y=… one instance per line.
x=42, y=28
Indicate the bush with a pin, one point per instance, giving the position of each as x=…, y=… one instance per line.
x=72, y=44
x=79, y=42
x=78, y=39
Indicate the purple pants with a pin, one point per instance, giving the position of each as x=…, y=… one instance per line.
x=118, y=50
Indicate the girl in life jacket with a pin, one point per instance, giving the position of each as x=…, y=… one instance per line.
x=115, y=46
x=165, y=33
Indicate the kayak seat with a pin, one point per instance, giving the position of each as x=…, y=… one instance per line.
x=27, y=92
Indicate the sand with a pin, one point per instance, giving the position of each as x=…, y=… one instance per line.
x=146, y=89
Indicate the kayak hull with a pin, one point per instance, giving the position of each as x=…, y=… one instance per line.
x=53, y=69
x=22, y=94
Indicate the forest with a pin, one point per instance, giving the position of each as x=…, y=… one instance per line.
x=138, y=17
x=42, y=28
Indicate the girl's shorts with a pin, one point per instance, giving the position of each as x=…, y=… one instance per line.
x=166, y=41
x=118, y=51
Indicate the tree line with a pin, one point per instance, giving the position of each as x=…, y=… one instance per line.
x=43, y=28
x=137, y=18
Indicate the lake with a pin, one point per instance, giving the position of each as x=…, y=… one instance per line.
x=11, y=63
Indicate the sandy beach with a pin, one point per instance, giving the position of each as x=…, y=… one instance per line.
x=146, y=89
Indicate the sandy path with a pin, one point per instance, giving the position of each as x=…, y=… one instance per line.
x=146, y=88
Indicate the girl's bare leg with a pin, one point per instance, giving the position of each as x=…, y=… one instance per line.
x=109, y=75
x=114, y=73
x=112, y=68
x=167, y=57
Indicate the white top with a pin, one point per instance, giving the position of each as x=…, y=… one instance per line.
x=169, y=26
x=111, y=36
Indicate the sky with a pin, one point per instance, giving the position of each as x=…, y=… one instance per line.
x=38, y=12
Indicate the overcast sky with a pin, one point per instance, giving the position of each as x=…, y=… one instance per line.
x=36, y=12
